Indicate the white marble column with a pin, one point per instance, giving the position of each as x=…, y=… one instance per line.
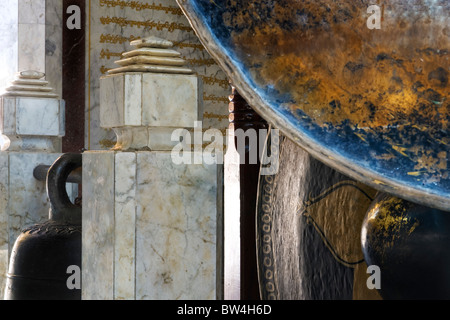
x=150, y=227
x=31, y=33
x=54, y=25
x=31, y=127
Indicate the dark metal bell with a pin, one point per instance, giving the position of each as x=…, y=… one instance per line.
x=45, y=256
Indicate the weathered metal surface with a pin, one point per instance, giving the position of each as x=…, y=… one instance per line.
x=410, y=245
x=371, y=103
x=309, y=220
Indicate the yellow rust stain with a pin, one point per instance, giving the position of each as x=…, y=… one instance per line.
x=388, y=218
x=343, y=61
x=106, y=143
x=400, y=150
x=341, y=71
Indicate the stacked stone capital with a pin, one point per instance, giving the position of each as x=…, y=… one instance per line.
x=31, y=115
x=150, y=95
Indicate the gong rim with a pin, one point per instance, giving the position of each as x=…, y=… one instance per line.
x=348, y=166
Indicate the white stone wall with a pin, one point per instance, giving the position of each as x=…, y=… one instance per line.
x=150, y=227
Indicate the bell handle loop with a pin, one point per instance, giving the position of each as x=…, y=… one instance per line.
x=62, y=209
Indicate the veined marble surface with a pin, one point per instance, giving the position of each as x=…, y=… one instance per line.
x=4, y=231
x=176, y=229
x=144, y=236
x=153, y=100
x=98, y=235
x=31, y=124
x=32, y=116
x=31, y=50
x=54, y=24
x=9, y=29
x=31, y=35
x=32, y=11
x=40, y=117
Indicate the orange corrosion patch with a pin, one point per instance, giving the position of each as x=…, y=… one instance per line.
x=336, y=69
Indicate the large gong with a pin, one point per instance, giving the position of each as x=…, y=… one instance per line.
x=309, y=220
x=362, y=87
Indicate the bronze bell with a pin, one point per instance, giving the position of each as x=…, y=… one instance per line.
x=45, y=255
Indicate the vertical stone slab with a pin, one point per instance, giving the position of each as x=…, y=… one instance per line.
x=98, y=238
x=53, y=43
x=176, y=229
x=125, y=226
x=9, y=31
x=133, y=100
x=31, y=33
x=4, y=236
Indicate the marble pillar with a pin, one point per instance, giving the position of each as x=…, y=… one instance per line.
x=9, y=30
x=22, y=30
x=54, y=25
x=151, y=228
x=31, y=33
x=31, y=127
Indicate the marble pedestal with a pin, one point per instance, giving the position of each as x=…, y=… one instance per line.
x=150, y=227
x=31, y=129
x=31, y=124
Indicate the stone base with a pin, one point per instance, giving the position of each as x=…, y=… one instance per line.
x=150, y=227
x=31, y=124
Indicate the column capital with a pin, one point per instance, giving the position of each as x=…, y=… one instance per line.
x=31, y=115
x=150, y=95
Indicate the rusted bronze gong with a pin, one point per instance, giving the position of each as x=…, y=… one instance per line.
x=361, y=85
